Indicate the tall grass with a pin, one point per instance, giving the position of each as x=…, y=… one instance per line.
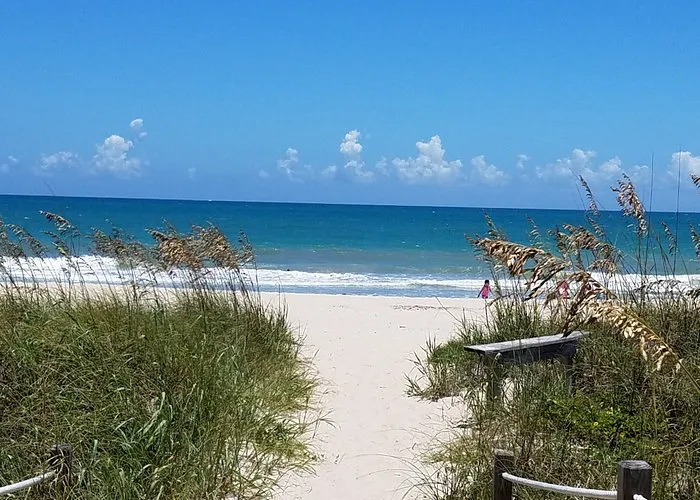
x=196, y=392
x=636, y=382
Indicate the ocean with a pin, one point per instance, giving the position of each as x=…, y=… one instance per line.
x=340, y=249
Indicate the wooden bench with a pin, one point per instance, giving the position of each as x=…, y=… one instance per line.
x=524, y=351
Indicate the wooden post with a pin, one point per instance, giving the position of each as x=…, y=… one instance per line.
x=503, y=461
x=61, y=461
x=633, y=478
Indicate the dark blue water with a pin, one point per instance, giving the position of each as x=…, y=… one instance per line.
x=317, y=243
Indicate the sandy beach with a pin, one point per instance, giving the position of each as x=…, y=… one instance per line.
x=363, y=348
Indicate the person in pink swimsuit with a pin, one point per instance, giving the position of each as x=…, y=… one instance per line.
x=485, y=291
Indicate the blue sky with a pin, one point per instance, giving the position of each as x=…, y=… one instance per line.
x=453, y=103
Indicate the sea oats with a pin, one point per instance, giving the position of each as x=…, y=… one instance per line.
x=592, y=205
x=630, y=203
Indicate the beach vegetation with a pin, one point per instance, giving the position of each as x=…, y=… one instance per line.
x=199, y=391
x=633, y=392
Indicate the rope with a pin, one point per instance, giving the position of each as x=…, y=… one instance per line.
x=557, y=488
x=27, y=483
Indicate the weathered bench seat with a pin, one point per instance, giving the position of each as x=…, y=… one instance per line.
x=531, y=349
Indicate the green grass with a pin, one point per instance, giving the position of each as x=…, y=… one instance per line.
x=194, y=393
x=620, y=409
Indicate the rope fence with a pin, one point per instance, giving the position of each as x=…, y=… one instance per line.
x=557, y=488
x=633, y=481
x=60, y=461
x=27, y=483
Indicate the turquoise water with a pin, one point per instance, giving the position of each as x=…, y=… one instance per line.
x=339, y=248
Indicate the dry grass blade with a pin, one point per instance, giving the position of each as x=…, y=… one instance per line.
x=696, y=240
x=611, y=312
x=61, y=223
x=121, y=247
x=515, y=257
x=535, y=234
x=175, y=250
x=493, y=231
x=589, y=289
x=672, y=240
x=630, y=203
x=9, y=248
x=213, y=246
x=597, y=228
x=605, y=255
x=592, y=205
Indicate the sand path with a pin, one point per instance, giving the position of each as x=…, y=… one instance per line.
x=363, y=348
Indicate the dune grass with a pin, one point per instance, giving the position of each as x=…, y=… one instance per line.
x=199, y=392
x=635, y=392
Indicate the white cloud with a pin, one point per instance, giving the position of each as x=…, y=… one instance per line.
x=487, y=173
x=191, y=172
x=612, y=170
x=358, y=170
x=429, y=166
x=329, y=172
x=55, y=161
x=292, y=167
x=113, y=156
x=289, y=163
x=351, y=146
x=137, y=126
x=263, y=174
x=522, y=160
x=5, y=166
x=355, y=166
x=563, y=168
x=688, y=163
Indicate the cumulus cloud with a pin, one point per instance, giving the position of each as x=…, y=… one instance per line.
x=289, y=162
x=485, y=172
x=351, y=146
x=292, y=167
x=429, y=166
x=359, y=171
x=354, y=166
x=564, y=168
x=688, y=163
x=136, y=126
x=57, y=161
x=113, y=156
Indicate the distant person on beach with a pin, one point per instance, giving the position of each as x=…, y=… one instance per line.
x=485, y=290
x=563, y=289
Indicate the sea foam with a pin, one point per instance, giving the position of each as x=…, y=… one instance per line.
x=107, y=271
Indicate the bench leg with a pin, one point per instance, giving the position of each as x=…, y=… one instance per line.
x=568, y=363
x=494, y=391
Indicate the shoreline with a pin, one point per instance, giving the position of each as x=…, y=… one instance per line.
x=95, y=270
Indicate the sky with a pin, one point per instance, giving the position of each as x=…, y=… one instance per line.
x=487, y=104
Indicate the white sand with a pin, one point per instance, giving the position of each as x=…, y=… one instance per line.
x=363, y=348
